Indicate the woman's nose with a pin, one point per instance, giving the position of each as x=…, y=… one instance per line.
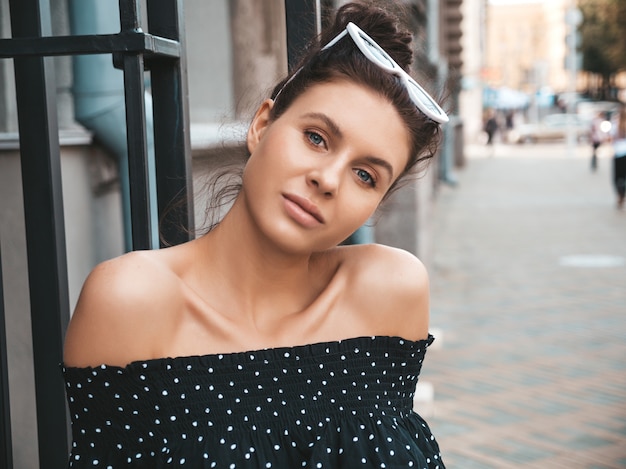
x=325, y=179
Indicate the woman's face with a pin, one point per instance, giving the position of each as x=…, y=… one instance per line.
x=319, y=171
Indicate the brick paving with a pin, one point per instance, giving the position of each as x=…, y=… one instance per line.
x=528, y=281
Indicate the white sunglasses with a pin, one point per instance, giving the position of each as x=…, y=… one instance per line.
x=377, y=55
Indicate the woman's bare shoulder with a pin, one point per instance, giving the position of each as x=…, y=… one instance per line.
x=122, y=308
x=390, y=286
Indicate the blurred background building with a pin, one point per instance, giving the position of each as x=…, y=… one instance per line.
x=526, y=49
x=545, y=57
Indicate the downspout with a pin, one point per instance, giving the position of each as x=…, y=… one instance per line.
x=98, y=91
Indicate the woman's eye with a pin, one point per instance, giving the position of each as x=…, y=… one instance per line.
x=365, y=177
x=315, y=138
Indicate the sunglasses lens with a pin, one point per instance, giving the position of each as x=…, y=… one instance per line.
x=379, y=53
x=420, y=96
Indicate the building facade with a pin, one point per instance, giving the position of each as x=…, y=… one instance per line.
x=526, y=45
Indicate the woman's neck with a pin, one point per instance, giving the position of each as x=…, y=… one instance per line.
x=253, y=276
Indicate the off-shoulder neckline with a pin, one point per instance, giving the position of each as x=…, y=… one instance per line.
x=150, y=362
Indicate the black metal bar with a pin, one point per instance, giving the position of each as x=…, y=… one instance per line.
x=134, y=90
x=128, y=41
x=6, y=446
x=130, y=15
x=303, y=24
x=45, y=234
x=172, y=146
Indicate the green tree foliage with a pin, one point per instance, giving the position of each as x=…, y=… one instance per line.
x=603, y=32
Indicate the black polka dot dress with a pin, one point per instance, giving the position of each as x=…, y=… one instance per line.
x=345, y=404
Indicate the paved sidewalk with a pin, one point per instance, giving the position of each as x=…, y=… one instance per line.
x=528, y=287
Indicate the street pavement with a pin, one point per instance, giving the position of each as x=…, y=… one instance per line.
x=528, y=304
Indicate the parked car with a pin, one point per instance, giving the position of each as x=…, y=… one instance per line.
x=552, y=127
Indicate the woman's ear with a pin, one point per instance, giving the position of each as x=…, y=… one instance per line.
x=260, y=122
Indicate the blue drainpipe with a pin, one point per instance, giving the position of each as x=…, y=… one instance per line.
x=98, y=91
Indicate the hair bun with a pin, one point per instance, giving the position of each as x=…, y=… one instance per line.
x=380, y=24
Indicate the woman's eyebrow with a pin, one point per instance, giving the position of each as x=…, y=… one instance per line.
x=384, y=164
x=331, y=124
x=335, y=130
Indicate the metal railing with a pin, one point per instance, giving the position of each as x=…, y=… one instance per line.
x=162, y=52
x=6, y=449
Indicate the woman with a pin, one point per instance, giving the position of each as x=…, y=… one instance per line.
x=262, y=343
x=618, y=138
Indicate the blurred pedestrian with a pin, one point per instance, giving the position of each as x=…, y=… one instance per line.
x=491, y=126
x=618, y=140
x=509, y=124
x=597, y=137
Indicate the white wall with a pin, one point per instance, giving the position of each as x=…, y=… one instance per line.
x=470, y=99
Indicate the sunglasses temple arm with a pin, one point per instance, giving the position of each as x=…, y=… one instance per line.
x=336, y=40
x=330, y=44
x=286, y=83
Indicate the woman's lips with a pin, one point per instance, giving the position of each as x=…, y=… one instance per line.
x=303, y=211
